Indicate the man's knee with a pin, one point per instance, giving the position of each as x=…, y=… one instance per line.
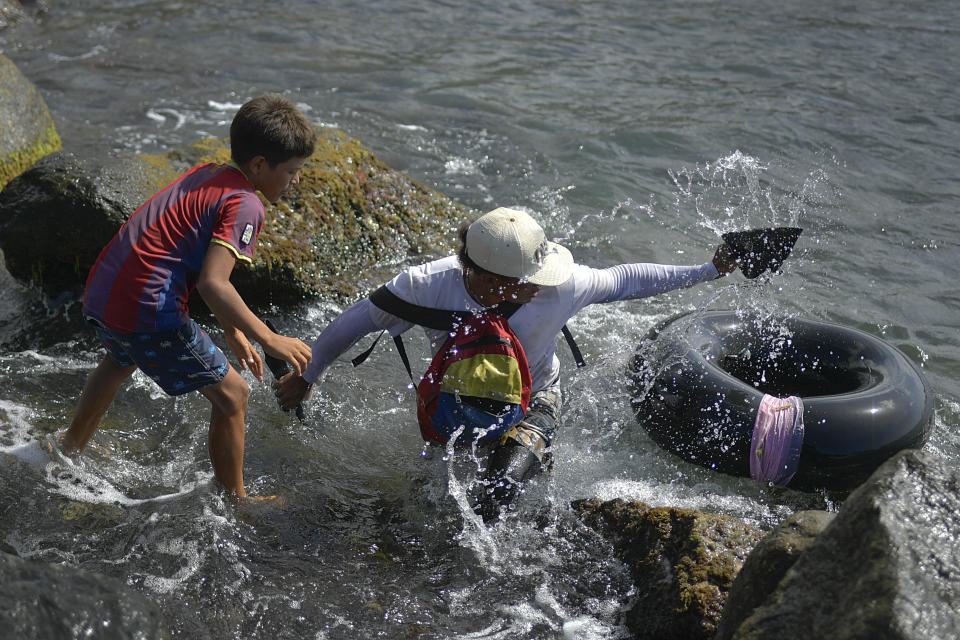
x=536, y=429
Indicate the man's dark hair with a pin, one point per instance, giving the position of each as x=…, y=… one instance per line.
x=270, y=126
x=465, y=262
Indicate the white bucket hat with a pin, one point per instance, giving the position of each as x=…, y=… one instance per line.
x=511, y=243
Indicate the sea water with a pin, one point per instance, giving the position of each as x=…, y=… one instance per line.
x=634, y=132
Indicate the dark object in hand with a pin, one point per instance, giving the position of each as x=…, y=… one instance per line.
x=280, y=368
x=759, y=250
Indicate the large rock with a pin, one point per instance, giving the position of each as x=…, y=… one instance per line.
x=888, y=566
x=57, y=215
x=683, y=563
x=349, y=214
x=767, y=564
x=43, y=601
x=27, y=131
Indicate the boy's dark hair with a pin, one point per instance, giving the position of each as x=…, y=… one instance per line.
x=270, y=126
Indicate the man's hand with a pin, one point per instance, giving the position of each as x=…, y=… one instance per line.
x=291, y=390
x=292, y=350
x=724, y=260
x=246, y=355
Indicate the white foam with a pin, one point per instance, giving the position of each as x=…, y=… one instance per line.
x=75, y=481
x=188, y=550
x=95, y=51
x=67, y=477
x=461, y=166
x=224, y=106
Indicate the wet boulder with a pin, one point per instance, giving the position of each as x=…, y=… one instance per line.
x=57, y=215
x=683, y=563
x=28, y=129
x=42, y=601
x=349, y=215
x=767, y=564
x=887, y=566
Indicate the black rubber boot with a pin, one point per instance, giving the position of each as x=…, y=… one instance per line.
x=509, y=465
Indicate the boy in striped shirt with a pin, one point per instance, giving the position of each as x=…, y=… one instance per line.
x=189, y=236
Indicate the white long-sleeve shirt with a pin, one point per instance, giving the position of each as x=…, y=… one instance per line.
x=439, y=285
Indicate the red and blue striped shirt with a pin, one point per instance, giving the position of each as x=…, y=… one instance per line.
x=143, y=278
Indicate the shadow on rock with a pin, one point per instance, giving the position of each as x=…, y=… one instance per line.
x=683, y=563
x=887, y=566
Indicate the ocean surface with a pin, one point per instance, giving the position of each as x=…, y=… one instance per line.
x=634, y=131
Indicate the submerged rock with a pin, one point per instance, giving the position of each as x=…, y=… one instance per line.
x=10, y=13
x=349, y=214
x=683, y=563
x=887, y=566
x=28, y=131
x=42, y=601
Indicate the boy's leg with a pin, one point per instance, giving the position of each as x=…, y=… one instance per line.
x=98, y=393
x=226, y=441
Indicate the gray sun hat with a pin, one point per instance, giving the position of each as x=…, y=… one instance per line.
x=511, y=243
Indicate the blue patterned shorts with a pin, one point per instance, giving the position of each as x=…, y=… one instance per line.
x=180, y=361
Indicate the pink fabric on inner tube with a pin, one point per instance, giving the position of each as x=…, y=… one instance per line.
x=777, y=440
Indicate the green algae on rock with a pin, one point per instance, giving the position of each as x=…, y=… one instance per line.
x=349, y=216
x=349, y=213
x=28, y=129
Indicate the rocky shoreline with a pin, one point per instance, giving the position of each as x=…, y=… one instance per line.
x=884, y=566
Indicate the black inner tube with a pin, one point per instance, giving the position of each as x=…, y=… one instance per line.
x=698, y=380
x=802, y=368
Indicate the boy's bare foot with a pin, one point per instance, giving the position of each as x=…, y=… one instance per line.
x=254, y=509
x=255, y=501
x=52, y=443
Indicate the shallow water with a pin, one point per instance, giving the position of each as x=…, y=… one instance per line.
x=635, y=132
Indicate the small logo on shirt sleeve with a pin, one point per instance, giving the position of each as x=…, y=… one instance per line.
x=247, y=234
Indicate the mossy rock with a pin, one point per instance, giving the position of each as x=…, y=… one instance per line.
x=683, y=563
x=767, y=564
x=349, y=214
x=348, y=219
x=28, y=129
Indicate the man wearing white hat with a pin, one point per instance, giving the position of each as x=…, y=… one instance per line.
x=504, y=256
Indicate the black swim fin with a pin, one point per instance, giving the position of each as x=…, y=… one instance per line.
x=760, y=250
x=280, y=368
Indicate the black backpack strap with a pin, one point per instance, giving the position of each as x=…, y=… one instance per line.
x=397, y=340
x=360, y=359
x=574, y=349
x=507, y=309
x=440, y=319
